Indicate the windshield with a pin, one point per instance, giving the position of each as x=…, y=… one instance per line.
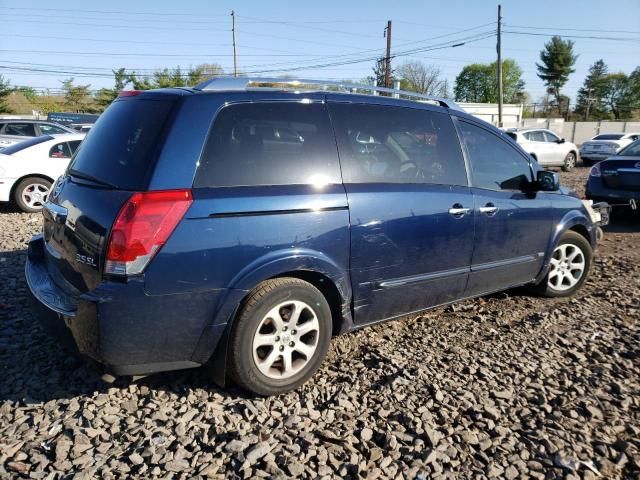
x=608, y=136
x=632, y=150
x=10, y=150
x=121, y=149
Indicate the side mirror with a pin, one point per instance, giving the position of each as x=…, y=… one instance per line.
x=548, y=181
x=561, y=140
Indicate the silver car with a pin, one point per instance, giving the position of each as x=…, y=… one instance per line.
x=604, y=145
x=16, y=130
x=546, y=147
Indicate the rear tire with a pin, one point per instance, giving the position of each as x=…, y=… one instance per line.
x=570, y=264
x=280, y=337
x=569, y=162
x=31, y=194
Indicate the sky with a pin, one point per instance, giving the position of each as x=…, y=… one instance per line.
x=44, y=42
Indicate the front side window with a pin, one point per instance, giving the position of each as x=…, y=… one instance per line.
x=20, y=129
x=47, y=129
x=386, y=144
x=270, y=143
x=552, y=138
x=60, y=150
x=495, y=165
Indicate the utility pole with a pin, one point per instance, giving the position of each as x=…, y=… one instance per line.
x=499, y=49
x=233, y=34
x=387, y=71
x=589, y=100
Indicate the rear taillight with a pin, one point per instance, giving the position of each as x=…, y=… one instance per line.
x=129, y=93
x=142, y=227
x=595, y=171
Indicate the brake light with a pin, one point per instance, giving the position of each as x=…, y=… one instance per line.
x=595, y=171
x=142, y=227
x=129, y=93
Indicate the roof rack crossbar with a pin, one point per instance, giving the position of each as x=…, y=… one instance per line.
x=254, y=83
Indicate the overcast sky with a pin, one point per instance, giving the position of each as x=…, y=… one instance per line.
x=326, y=39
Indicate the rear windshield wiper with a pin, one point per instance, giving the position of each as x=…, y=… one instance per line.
x=91, y=178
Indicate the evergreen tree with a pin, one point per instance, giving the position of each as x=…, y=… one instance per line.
x=590, y=95
x=557, y=64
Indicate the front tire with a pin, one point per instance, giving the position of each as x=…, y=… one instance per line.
x=569, y=269
x=569, y=162
x=280, y=336
x=31, y=194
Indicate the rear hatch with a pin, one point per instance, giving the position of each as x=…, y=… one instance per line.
x=600, y=146
x=621, y=174
x=116, y=159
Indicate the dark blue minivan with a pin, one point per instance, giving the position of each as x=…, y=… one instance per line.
x=244, y=226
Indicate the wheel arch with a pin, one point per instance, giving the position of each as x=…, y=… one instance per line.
x=311, y=266
x=30, y=175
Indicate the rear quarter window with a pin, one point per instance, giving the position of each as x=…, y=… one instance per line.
x=122, y=147
x=269, y=143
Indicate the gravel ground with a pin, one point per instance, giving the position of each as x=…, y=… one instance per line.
x=506, y=386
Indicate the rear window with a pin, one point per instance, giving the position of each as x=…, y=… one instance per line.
x=608, y=136
x=122, y=147
x=25, y=144
x=270, y=144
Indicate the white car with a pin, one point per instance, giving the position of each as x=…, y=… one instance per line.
x=546, y=147
x=604, y=145
x=29, y=168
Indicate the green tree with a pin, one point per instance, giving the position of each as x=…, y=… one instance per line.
x=30, y=93
x=204, y=71
x=590, y=96
x=379, y=69
x=557, y=64
x=478, y=83
x=5, y=91
x=616, y=94
x=105, y=96
x=630, y=99
x=77, y=97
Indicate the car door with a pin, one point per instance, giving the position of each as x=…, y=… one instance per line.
x=411, y=215
x=539, y=146
x=512, y=223
x=15, y=132
x=556, y=150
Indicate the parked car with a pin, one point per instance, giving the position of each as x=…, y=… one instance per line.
x=81, y=127
x=617, y=179
x=15, y=131
x=172, y=240
x=546, y=147
x=28, y=168
x=604, y=145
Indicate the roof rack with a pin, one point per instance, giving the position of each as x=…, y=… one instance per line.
x=248, y=83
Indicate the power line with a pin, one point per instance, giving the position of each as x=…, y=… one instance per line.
x=588, y=37
x=571, y=29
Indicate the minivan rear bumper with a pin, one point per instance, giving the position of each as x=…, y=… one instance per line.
x=121, y=327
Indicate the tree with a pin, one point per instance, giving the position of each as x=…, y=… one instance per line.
x=616, y=94
x=421, y=78
x=105, y=96
x=76, y=97
x=379, y=69
x=557, y=64
x=630, y=100
x=590, y=96
x=5, y=91
x=203, y=72
x=478, y=83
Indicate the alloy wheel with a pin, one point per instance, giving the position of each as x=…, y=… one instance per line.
x=286, y=339
x=567, y=267
x=34, y=195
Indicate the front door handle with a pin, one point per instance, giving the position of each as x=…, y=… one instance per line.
x=489, y=209
x=458, y=210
